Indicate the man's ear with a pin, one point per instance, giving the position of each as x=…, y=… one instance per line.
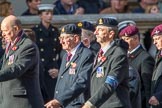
x=16, y=28
x=76, y=37
x=111, y=34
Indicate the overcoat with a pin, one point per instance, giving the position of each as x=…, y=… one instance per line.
x=19, y=76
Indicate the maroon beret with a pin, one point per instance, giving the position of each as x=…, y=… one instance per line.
x=129, y=31
x=157, y=30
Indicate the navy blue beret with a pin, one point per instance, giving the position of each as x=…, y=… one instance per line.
x=86, y=25
x=70, y=29
x=110, y=22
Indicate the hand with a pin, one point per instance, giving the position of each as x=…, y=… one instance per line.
x=85, y=106
x=153, y=101
x=53, y=72
x=53, y=104
x=79, y=11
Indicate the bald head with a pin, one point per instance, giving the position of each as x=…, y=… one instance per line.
x=10, y=27
x=11, y=21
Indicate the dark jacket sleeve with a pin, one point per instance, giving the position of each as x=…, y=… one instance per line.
x=158, y=94
x=147, y=70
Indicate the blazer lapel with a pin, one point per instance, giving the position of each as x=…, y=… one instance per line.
x=75, y=57
x=135, y=53
x=107, y=55
x=12, y=50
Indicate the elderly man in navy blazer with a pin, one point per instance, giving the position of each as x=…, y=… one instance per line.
x=72, y=88
x=19, y=74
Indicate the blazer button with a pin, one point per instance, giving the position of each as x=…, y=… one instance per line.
x=41, y=49
x=62, y=76
x=41, y=40
x=54, y=59
x=55, y=39
x=42, y=59
x=56, y=92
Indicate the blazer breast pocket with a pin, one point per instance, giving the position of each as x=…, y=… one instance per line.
x=19, y=93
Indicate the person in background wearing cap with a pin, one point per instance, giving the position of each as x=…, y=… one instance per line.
x=19, y=74
x=88, y=38
x=49, y=47
x=156, y=86
x=72, y=88
x=125, y=23
x=109, y=77
x=139, y=59
x=32, y=7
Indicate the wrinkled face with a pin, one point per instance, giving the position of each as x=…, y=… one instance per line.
x=33, y=5
x=46, y=16
x=8, y=32
x=67, y=41
x=102, y=34
x=68, y=2
x=119, y=4
x=131, y=42
x=158, y=41
x=85, y=40
x=155, y=9
x=86, y=37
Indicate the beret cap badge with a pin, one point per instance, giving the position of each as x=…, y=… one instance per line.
x=156, y=32
x=63, y=29
x=100, y=21
x=80, y=24
x=126, y=34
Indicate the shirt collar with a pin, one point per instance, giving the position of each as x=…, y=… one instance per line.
x=73, y=51
x=104, y=49
x=130, y=52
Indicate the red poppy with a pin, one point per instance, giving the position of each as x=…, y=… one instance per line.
x=103, y=58
x=73, y=65
x=14, y=48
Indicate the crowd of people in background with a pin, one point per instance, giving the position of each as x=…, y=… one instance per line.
x=80, y=65
x=79, y=7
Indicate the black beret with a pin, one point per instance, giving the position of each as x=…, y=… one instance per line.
x=110, y=22
x=86, y=25
x=70, y=29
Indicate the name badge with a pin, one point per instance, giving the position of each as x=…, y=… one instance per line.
x=11, y=59
x=72, y=71
x=100, y=72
